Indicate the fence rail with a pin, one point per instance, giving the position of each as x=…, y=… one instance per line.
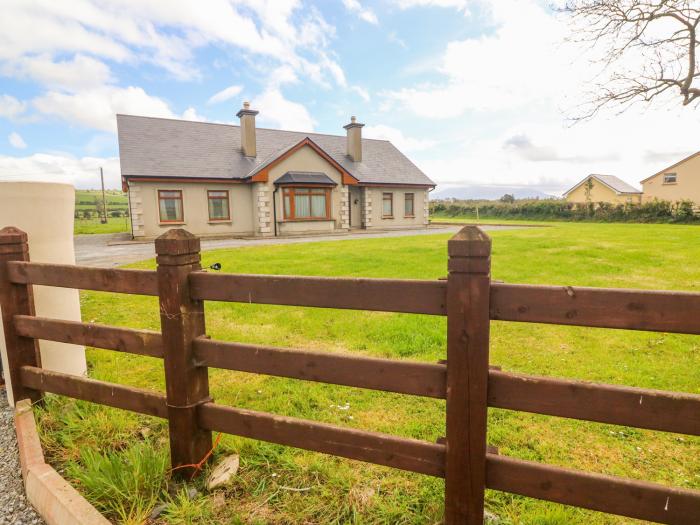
x=468, y=298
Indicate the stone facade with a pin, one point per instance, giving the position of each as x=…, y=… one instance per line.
x=261, y=193
x=344, y=208
x=366, y=208
x=136, y=211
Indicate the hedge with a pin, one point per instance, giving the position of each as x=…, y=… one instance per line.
x=554, y=209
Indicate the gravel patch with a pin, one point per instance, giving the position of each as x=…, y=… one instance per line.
x=14, y=507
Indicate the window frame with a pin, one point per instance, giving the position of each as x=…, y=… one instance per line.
x=228, y=205
x=675, y=178
x=413, y=205
x=390, y=198
x=181, y=220
x=291, y=192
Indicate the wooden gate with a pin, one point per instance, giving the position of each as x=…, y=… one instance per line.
x=467, y=297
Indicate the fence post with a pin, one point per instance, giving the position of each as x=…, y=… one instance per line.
x=468, y=288
x=16, y=299
x=182, y=320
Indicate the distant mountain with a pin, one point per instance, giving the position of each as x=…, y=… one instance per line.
x=489, y=192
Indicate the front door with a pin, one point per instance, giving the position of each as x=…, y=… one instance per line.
x=355, y=207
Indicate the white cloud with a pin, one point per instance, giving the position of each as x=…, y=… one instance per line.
x=78, y=73
x=81, y=172
x=512, y=67
x=191, y=114
x=16, y=140
x=362, y=92
x=365, y=13
x=278, y=112
x=225, y=94
x=460, y=5
x=165, y=33
x=553, y=157
x=10, y=107
x=96, y=108
x=397, y=138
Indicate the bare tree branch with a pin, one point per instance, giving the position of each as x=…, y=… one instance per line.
x=649, y=48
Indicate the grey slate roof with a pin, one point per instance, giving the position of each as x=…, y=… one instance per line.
x=615, y=183
x=305, y=177
x=158, y=147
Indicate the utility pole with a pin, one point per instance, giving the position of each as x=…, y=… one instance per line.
x=104, y=202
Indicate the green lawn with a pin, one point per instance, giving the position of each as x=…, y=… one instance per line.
x=92, y=441
x=89, y=226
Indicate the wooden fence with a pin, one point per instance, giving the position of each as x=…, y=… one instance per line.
x=467, y=297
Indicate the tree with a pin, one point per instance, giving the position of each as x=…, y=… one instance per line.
x=507, y=198
x=649, y=49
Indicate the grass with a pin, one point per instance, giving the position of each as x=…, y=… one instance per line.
x=342, y=491
x=91, y=226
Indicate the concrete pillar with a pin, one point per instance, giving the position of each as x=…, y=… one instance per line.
x=45, y=211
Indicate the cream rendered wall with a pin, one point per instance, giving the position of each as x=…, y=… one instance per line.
x=687, y=186
x=374, y=197
x=601, y=193
x=195, y=209
x=306, y=159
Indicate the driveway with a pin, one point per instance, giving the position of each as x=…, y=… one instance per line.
x=109, y=250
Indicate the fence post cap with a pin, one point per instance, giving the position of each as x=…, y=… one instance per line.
x=12, y=235
x=470, y=241
x=177, y=242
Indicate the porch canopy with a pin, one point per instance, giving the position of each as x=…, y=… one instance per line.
x=306, y=178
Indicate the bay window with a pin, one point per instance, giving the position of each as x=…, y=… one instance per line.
x=306, y=203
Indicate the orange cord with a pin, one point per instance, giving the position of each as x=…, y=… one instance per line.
x=198, y=466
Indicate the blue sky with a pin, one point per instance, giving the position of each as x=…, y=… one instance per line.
x=474, y=91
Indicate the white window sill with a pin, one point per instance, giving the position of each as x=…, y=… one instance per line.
x=223, y=221
x=172, y=223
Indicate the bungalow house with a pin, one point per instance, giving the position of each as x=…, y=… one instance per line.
x=219, y=179
x=678, y=182
x=603, y=188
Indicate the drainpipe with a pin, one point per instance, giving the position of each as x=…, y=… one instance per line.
x=274, y=208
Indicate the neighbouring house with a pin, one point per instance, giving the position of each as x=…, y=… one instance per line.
x=603, y=188
x=678, y=182
x=220, y=179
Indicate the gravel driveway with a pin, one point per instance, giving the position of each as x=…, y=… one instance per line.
x=109, y=250
x=14, y=508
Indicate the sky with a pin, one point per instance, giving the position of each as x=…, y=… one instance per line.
x=475, y=92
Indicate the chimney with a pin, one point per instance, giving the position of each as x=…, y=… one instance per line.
x=247, y=117
x=354, y=141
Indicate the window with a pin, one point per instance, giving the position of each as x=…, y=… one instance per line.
x=408, y=205
x=387, y=205
x=670, y=178
x=218, y=205
x=307, y=203
x=170, y=205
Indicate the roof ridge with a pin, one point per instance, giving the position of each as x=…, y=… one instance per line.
x=237, y=126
